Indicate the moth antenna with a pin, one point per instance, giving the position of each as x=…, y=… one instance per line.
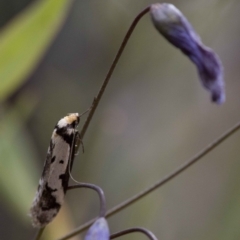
x=85, y=112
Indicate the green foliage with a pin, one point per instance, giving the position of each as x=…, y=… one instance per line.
x=18, y=171
x=23, y=43
x=25, y=39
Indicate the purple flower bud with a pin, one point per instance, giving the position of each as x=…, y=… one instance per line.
x=98, y=231
x=172, y=24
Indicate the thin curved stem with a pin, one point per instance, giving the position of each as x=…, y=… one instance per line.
x=39, y=233
x=102, y=212
x=176, y=172
x=145, y=231
x=159, y=183
x=111, y=69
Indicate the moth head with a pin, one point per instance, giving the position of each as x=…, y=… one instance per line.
x=71, y=120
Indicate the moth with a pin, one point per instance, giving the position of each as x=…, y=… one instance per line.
x=53, y=183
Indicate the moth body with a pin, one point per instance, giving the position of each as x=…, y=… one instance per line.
x=54, y=180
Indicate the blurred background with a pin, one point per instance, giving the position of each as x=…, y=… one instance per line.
x=154, y=115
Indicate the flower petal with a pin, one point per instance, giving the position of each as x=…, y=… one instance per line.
x=172, y=24
x=98, y=231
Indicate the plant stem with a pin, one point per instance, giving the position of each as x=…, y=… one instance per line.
x=100, y=193
x=145, y=231
x=97, y=99
x=39, y=233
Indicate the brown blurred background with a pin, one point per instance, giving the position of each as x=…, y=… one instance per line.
x=154, y=116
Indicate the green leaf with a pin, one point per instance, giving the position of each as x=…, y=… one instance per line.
x=25, y=39
x=18, y=170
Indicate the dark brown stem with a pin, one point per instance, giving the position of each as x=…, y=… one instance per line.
x=111, y=69
x=99, y=191
x=148, y=233
x=159, y=183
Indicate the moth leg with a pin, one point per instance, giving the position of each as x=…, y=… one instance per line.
x=81, y=142
x=77, y=142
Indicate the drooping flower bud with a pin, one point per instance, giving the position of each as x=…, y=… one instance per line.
x=172, y=24
x=98, y=231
